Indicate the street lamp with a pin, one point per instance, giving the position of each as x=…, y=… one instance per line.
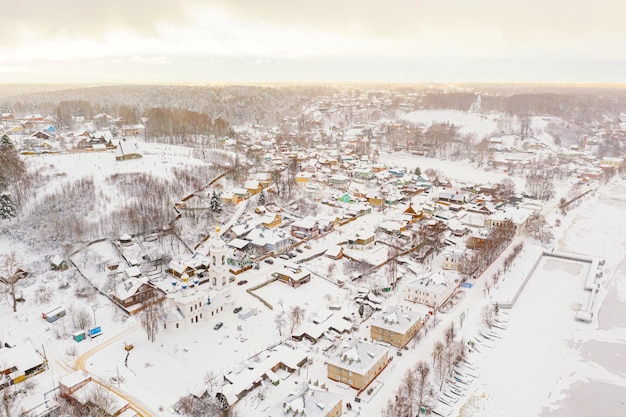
x=94, y=307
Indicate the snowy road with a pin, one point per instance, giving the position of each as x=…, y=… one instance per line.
x=81, y=364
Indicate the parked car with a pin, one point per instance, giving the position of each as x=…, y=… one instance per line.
x=242, y=282
x=237, y=310
x=298, y=250
x=269, y=261
x=218, y=326
x=285, y=257
x=291, y=255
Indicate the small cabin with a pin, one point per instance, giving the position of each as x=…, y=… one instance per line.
x=58, y=264
x=54, y=314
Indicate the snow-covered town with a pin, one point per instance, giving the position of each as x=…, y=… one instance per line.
x=369, y=256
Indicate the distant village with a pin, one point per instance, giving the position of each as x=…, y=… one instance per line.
x=396, y=245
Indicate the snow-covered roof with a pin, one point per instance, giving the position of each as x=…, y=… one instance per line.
x=245, y=379
x=435, y=282
x=133, y=272
x=309, y=403
x=306, y=223
x=238, y=243
x=129, y=288
x=22, y=357
x=261, y=237
x=333, y=251
x=359, y=357
x=397, y=320
x=74, y=378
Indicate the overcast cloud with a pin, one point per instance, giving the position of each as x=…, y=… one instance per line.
x=392, y=40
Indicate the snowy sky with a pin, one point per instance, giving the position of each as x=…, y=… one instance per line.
x=199, y=41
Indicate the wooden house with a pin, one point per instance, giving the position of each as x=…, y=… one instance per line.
x=305, y=228
x=132, y=292
x=253, y=186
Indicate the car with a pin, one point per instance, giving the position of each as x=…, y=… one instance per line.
x=269, y=261
x=218, y=326
x=237, y=310
x=285, y=257
x=291, y=255
x=242, y=282
x=298, y=250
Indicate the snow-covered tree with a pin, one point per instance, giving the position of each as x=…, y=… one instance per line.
x=7, y=206
x=5, y=142
x=13, y=174
x=262, y=198
x=215, y=203
x=538, y=228
x=10, y=274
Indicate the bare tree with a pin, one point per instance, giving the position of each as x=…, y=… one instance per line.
x=449, y=352
x=99, y=401
x=152, y=313
x=392, y=267
x=332, y=267
x=207, y=406
x=81, y=318
x=7, y=400
x=505, y=189
x=406, y=393
x=279, y=320
x=539, y=184
x=10, y=274
x=537, y=227
x=296, y=315
x=488, y=316
x=424, y=390
x=439, y=361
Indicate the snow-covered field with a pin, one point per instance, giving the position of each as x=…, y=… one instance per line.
x=476, y=123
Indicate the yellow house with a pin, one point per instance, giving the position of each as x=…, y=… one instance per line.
x=375, y=200
x=396, y=327
x=358, y=365
x=362, y=240
x=303, y=177
x=415, y=215
x=230, y=197
x=271, y=220
x=611, y=162
x=253, y=186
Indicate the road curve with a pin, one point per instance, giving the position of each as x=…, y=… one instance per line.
x=79, y=364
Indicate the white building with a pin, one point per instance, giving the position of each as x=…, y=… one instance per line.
x=187, y=306
x=432, y=289
x=452, y=259
x=519, y=217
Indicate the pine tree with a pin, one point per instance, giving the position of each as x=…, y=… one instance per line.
x=261, y=198
x=5, y=142
x=7, y=206
x=216, y=205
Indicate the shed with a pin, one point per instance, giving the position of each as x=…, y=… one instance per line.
x=54, y=314
x=246, y=314
x=58, y=263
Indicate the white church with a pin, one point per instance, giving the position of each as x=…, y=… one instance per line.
x=188, y=305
